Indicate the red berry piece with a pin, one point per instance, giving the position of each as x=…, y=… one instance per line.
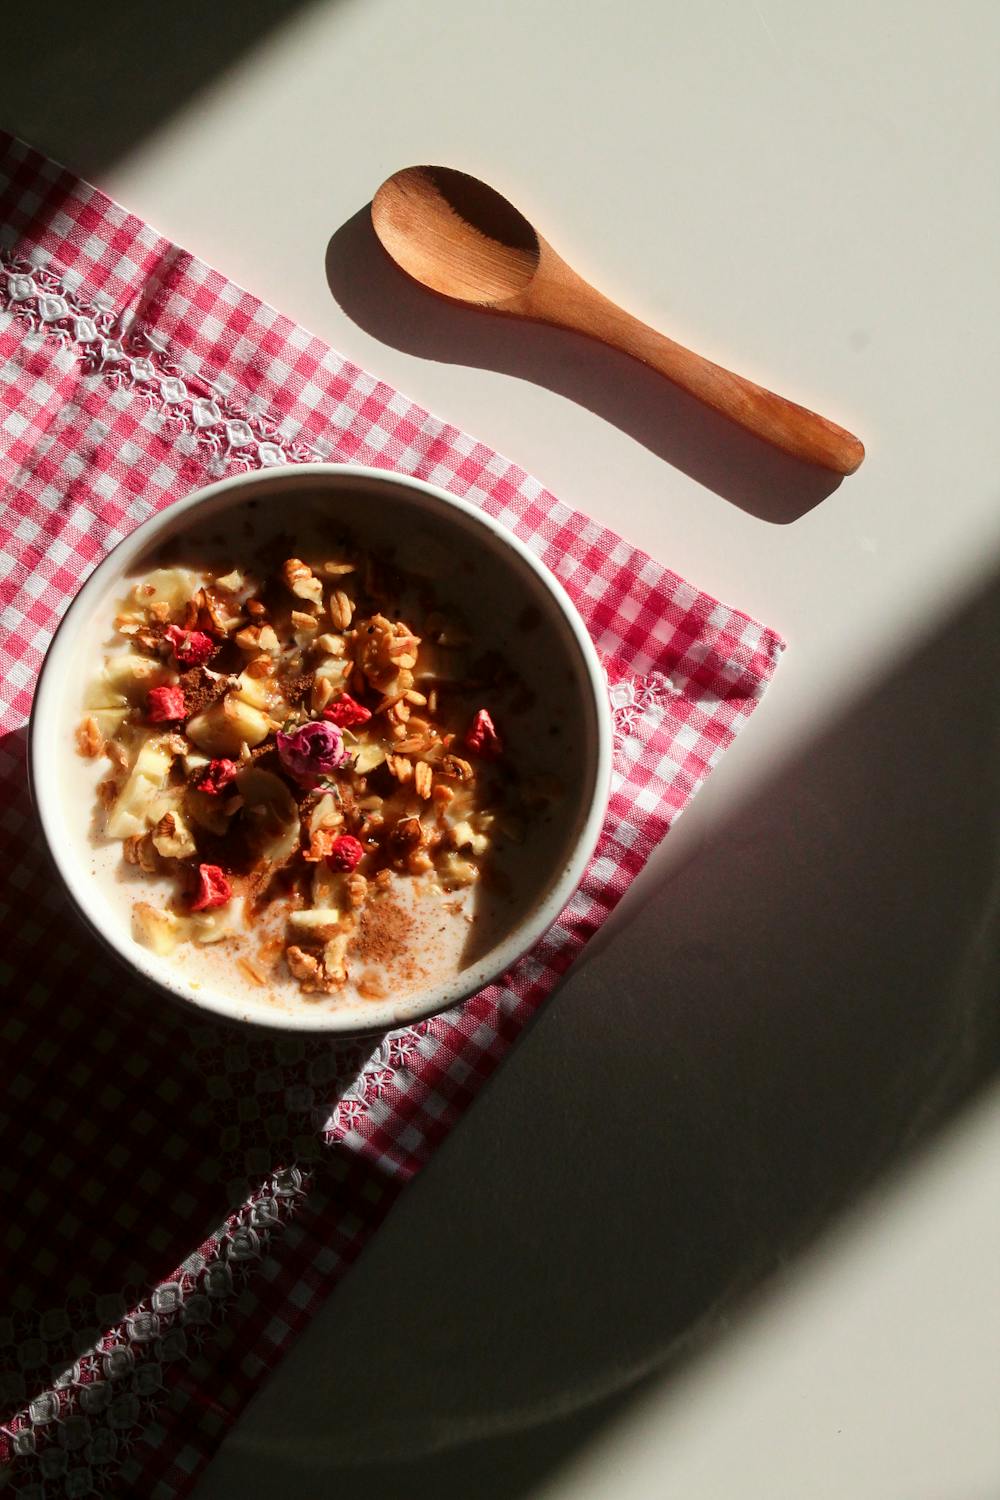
x=192, y=648
x=213, y=888
x=347, y=712
x=345, y=853
x=482, y=738
x=216, y=775
x=165, y=705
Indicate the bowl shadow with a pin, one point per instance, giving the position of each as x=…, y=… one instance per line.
x=741, y=468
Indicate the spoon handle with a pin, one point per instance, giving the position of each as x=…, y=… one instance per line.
x=567, y=300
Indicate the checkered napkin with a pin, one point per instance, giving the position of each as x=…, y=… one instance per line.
x=178, y=1197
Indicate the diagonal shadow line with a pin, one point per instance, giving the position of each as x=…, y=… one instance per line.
x=794, y=1015
x=87, y=87
x=381, y=299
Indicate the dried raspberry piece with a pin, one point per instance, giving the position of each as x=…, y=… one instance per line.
x=165, y=704
x=345, y=853
x=481, y=736
x=216, y=775
x=192, y=648
x=213, y=888
x=346, y=712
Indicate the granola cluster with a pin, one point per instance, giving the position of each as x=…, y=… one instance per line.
x=280, y=740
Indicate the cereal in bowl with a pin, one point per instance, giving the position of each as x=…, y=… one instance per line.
x=297, y=748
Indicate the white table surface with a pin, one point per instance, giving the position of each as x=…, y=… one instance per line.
x=726, y=1221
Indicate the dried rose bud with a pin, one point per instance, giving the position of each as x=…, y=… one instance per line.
x=312, y=751
x=346, y=712
x=216, y=775
x=345, y=853
x=164, y=705
x=192, y=648
x=481, y=736
x=213, y=888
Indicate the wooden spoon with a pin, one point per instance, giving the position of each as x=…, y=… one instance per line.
x=459, y=237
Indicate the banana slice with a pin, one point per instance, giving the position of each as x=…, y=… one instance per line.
x=269, y=813
x=223, y=727
x=170, y=586
x=136, y=803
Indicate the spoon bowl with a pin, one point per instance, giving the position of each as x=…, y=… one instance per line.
x=456, y=235
x=460, y=238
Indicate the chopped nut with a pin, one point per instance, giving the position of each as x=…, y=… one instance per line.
x=389, y=702
x=415, y=744
x=138, y=850
x=443, y=795
x=248, y=639
x=301, y=580
x=341, y=610
x=217, y=616
x=400, y=767
x=357, y=889
x=107, y=792
x=330, y=645
x=321, y=844
x=89, y=740
x=454, y=767
x=322, y=692
x=408, y=833
x=255, y=607
x=302, y=966
x=423, y=779
x=261, y=666
x=160, y=610
x=419, y=862
x=231, y=583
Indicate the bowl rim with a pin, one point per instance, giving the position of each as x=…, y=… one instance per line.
x=43, y=761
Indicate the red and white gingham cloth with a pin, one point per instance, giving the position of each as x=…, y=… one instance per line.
x=178, y=1197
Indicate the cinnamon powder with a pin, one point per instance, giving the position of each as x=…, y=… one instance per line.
x=383, y=932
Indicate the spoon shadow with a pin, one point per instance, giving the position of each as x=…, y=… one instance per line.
x=732, y=463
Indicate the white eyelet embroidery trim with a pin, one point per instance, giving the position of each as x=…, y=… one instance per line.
x=112, y=346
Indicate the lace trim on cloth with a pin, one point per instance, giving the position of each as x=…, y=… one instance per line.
x=112, y=345
x=106, y=1401
x=234, y=434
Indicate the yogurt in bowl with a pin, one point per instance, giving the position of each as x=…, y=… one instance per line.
x=321, y=748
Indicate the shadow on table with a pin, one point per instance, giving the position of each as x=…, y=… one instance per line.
x=97, y=79
x=132, y=1129
x=786, y=1020
x=752, y=475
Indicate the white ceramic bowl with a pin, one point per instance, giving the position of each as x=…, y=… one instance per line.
x=379, y=506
